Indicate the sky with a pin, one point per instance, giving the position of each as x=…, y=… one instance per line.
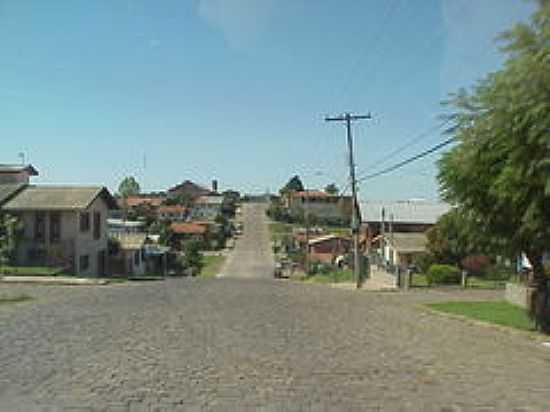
x=237, y=90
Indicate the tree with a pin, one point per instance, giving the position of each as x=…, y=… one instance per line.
x=499, y=172
x=11, y=231
x=332, y=189
x=294, y=184
x=192, y=256
x=128, y=187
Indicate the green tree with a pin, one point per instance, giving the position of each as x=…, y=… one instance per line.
x=499, y=172
x=294, y=184
x=128, y=187
x=192, y=256
x=332, y=189
x=11, y=231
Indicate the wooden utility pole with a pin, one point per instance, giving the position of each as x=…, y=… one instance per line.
x=355, y=214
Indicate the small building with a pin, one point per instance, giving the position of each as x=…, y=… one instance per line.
x=323, y=206
x=326, y=249
x=207, y=207
x=130, y=259
x=63, y=226
x=172, y=213
x=16, y=174
x=189, y=190
x=182, y=231
x=401, y=248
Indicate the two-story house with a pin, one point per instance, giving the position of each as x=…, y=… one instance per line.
x=64, y=226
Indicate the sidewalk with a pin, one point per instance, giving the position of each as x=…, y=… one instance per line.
x=54, y=280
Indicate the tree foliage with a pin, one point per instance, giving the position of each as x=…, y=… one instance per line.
x=499, y=172
x=129, y=187
x=332, y=189
x=294, y=184
x=11, y=231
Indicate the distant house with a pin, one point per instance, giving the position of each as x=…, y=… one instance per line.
x=172, y=213
x=190, y=190
x=130, y=259
x=327, y=248
x=207, y=207
x=182, y=231
x=16, y=174
x=64, y=226
x=324, y=206
x=116, y=226
x=142, y=200
x=401, y=248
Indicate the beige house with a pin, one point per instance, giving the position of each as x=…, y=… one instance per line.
x=64, y=226
x=319, y=204
x=401, y=248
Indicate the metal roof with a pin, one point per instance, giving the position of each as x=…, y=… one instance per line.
x=408, y=242
x=42, y=197
x=8, y=190
x=17, y=168
x=404, y=211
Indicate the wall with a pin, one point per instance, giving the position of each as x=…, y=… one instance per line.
x=19, y=177
x=85, y=242
x=518, y=294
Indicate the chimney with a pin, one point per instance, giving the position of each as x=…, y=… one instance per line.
x=215, y=186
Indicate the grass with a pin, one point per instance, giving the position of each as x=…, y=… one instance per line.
x=498, y=312
x=212, y=265
x=14, y=299
x=338, y=276
x=419, y=280
x=30, y=270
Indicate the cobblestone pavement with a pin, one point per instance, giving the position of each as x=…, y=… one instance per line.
x=258, y=344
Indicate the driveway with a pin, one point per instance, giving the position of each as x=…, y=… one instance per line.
x=248, y=342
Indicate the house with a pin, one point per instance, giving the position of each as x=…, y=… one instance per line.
x=191, y=190
x=172, y=213
x=130, y=259
x=401, y=248
x=323, y=206
x=207, y=207
x=63, y=226
x=115, y=226
x=327, y=248
x=182, y=231
x=16, y=174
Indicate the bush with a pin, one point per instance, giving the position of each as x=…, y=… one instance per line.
x=498, y=272
x=423, y=262
x=443, y=274
x=476, y=265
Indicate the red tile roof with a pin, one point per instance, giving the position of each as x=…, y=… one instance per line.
x=310, y=193
x=133, y=201
x=188, y=228
x=172, y=209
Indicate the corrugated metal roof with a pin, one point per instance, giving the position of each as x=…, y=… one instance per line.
x=58, y=198
x=406, y=211
x=8, y=190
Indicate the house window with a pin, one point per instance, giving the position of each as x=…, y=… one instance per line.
x=40, y=227
x=55, y=227
x=97, y=225
x=84, y=262
x=136, y=258
x=85, y=221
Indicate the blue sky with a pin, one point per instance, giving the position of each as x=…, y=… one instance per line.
x=236, y=89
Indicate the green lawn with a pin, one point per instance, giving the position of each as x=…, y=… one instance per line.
x=338, y=276
x=498, y=312
x=419, y=280
x=30, y=270
x=15, y=299
x=212, y=265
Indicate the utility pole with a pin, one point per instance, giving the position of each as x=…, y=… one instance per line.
x=348, y=118
x=306, y=218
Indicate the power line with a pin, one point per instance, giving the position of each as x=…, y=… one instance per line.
x=407, y=161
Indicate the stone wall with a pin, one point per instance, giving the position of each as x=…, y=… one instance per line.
x=518, y=294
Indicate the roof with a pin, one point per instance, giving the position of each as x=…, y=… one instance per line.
x=14, y=168
x=8, y=190
x=131, y=241
x=325, y=238
x=188, y=228
x=310, y=193
x=209, y=200
x=125, y=223
x=43, y=197
x=189, y=185
x=172, y=209
x=408, y=242
x=404, y=211
x=133, y=201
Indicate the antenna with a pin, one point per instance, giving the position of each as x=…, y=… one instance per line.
x=21, y=156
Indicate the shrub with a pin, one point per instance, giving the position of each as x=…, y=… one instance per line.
x=498, y=272
x=476, y=265
x=442, y=274
x=423, y=261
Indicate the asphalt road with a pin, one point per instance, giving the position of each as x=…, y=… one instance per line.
x=253, y=343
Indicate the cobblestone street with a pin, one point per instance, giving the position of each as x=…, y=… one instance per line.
x=258, y=344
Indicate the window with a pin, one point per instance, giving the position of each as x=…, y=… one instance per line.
x=85, y=221
x=55, y=227
x=40, y=227
x=84, y=262
x=97, y=225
